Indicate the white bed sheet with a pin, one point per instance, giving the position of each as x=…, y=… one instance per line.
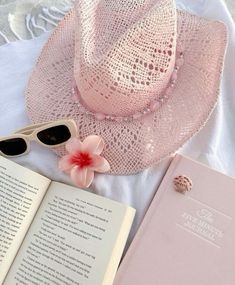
x=213, y=145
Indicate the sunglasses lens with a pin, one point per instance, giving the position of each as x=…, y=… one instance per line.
x=54, y=135
x=14, y=146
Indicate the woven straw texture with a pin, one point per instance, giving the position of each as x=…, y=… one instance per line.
x=96, y=47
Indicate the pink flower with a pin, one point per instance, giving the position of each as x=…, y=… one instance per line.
x=83, y=159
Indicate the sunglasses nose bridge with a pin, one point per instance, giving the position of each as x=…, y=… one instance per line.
x=32, y=136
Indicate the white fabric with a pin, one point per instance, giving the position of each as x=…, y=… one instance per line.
x=214, y=145
x=27, y=19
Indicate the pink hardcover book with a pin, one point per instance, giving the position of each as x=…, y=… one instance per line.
x=185, y=238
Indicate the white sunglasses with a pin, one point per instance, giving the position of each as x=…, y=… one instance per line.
x=50, y=134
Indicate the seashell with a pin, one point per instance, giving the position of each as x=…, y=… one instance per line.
x=182, y=184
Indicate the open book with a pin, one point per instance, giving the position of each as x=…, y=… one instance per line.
x=52, y=233
x=185, y=238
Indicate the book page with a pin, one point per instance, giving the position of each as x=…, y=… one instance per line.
x=71, y=240
x=21, y=191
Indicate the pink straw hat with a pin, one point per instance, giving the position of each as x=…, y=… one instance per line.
x=139, y=73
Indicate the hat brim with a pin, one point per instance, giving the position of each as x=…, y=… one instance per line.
x=136, y=145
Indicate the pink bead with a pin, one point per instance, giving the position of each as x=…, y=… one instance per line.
x=168, y=91
x=174, y=75
x=137, y=115
x=180, y=48
x=82, y=109
x=179, y=62
x=99, y=116
x=75, y=98
x=154, y=106
x=119, y=119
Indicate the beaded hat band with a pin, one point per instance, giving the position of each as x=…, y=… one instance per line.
x=151, y=107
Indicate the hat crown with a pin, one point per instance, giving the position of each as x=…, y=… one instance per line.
x=124, y=53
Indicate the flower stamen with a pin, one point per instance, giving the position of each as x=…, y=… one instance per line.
x=81, y=159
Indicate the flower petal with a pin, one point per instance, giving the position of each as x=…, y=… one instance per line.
x=82, y=177
x=65, y=164
x=73, y=145
x=99, y=164
x=93, y=144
